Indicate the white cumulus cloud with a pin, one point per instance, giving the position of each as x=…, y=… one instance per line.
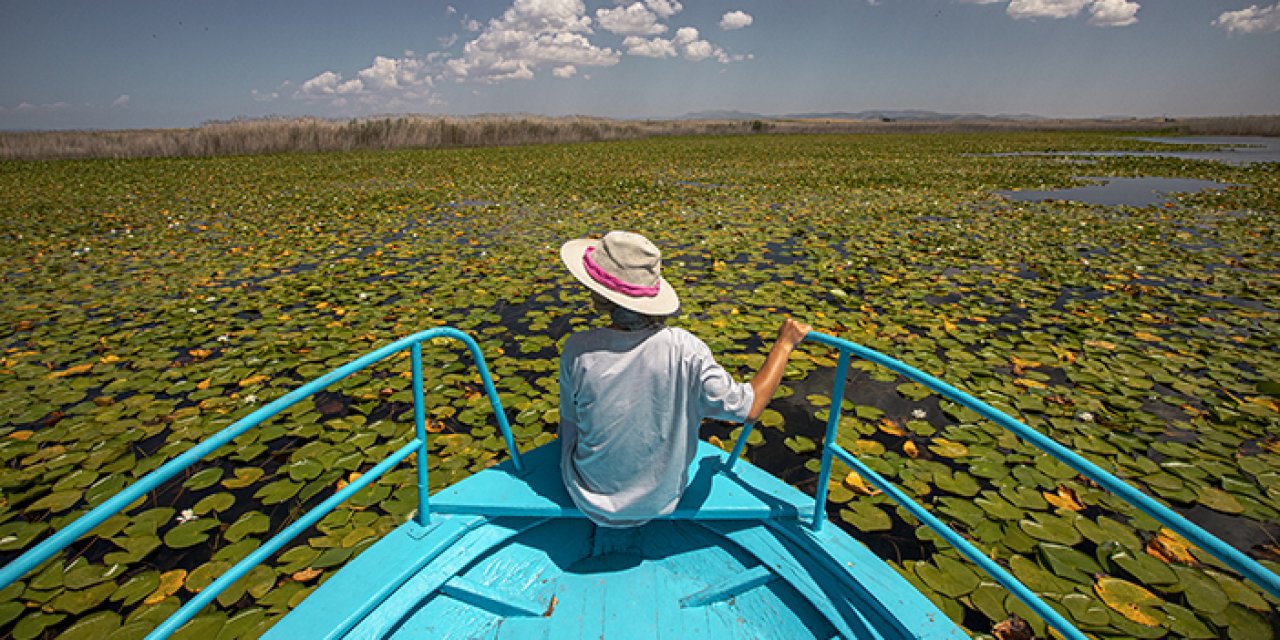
x=566, y=71
x=632, y=20
x=388, y=83
x=1113, y=13
x=1102, y=13
x=121, y=101
x=1057, y=9
x=664, y=8
x=1251, y=20
x=394, y=73
x=655, y=48
x=693, y=47
x=327, y=84
x=735, y=20
x=530, y=34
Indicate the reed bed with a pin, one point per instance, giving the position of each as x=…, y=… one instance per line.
x=287, y=135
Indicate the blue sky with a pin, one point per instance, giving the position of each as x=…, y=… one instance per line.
x=174, y=63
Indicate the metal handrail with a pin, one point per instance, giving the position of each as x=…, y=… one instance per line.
x=1229, y=555
x=37, y=555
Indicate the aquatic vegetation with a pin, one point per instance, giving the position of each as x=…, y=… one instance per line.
x=150, y=303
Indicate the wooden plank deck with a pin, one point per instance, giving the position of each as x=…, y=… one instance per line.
x=734, y=561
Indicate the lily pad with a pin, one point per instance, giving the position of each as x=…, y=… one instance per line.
x=189, y=534
x=1129, y=600
x=204, y=479
x=800, y=445
x=248, y=524
x=94, y=626
x=866, y=517
x=948, y=577
x=1203, y=594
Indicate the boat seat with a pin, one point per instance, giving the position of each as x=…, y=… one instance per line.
x=713, y=493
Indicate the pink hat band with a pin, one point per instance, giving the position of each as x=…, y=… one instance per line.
x=613, y=283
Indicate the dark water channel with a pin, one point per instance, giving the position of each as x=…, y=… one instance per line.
x=1232, y=150
x=1114, y=192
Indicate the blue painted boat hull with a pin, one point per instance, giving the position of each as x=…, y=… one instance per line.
x=736, y=560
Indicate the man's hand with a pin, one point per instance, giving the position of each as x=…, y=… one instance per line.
x=792, y=332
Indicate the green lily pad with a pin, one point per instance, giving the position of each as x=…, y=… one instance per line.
x=202, y=627
x=1204, y=594
x=1243, y=624
x=1185, y=624
x=248, y=524
x=84, y=574
x=772, y=419
x=189, y=534
x=1238, y=592
x=1143, y=567
x=94, y=626
x=136, y=588
x=914, y=391
x=9, y=611
x=1105, y=530
x=244, y=477
x=958, y=483
x=77, y=602
x=947, y=448
x=1085, y=611
x=1067, y=563
x=948, y=577
x=868, y=412
x=277, y=491
x=988, y=598
x=1219, y=500
x=1051, y=528
x=133, y=549
x=800, y=445
x=997, y=507
x=203, y=575
x=1037, y=579
x=215, y=503
x=1133, y=602
x=33, y=624
x=57, y=502
x=866, y=517
x=204, y=479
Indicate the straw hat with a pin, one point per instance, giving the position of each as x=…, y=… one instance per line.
x=625, y=268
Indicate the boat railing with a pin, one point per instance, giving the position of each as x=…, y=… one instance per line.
x=1229, y=555
x=55, y=543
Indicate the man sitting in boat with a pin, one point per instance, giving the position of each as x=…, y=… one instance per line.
x=633, y=394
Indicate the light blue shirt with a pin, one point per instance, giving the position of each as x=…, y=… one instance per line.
x=631, y=403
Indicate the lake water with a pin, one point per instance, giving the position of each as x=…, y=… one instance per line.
x=1112, y=192
x=1237, y=150
x=1240, y=150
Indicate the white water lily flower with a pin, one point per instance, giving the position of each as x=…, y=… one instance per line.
x=187, y=515
x=211, y=299
x=364, y=296
x=193, y=310
x=250, y=399
x=919, y=414
x=224, y=338
x=1086, y=416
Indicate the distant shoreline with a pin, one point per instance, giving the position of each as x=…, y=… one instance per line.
x=288, y=135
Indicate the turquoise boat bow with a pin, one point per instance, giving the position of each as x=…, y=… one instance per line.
x=744, y=555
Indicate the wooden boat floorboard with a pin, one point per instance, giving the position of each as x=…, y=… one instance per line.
x=698, y=573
